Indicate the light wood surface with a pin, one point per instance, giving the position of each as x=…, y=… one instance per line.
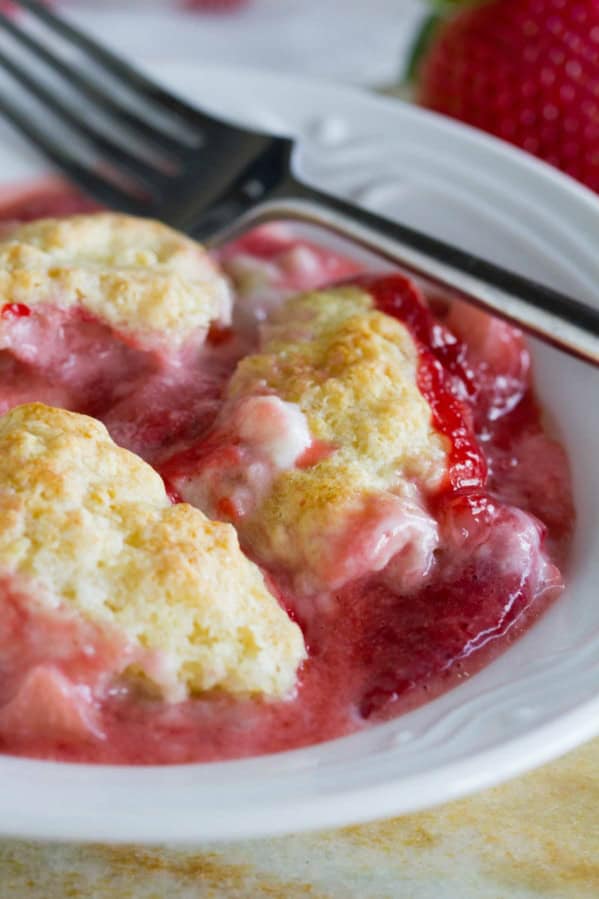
x=536, y=837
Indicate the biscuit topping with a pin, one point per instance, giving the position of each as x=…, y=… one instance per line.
x=351, y=371
x=136, y=275
x=88, y=530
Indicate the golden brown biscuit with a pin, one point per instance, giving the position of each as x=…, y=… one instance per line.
x=351, y=371
x=89, y=528
x=135, y=274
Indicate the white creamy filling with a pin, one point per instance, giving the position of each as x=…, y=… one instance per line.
x=276, y=430
x=416, y=537
x=385, y=533
x=267, y=436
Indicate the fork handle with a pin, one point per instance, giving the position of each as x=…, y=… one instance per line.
x=569, y=324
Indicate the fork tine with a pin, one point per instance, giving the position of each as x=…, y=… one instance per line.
x=100, y=188
x=111, y=153
x=104, y=101
x=133, y=79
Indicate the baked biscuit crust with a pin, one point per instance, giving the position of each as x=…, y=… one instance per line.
x=351, y=372
x=137, y=275
x=89, y=528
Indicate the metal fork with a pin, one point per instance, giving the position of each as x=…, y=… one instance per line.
x=139, y=149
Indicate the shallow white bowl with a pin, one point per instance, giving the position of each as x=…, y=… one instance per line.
x=541, y=697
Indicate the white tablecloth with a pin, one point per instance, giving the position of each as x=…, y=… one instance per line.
x=356, y=41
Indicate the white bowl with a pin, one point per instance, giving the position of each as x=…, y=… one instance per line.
x=541, y=697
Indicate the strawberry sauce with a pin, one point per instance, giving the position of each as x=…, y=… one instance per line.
x=504, y=513
x=444, y=375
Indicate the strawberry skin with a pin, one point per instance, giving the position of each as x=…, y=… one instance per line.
x=526, y=71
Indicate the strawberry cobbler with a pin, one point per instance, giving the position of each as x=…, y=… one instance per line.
x=253, y=501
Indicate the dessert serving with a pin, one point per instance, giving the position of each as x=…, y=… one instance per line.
x=253, y=501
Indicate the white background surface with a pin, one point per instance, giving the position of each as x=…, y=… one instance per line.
x=355, y=41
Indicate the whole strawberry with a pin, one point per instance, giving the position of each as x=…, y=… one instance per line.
x=524, y=70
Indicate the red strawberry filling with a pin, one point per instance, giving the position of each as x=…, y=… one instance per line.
x=377, y=646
